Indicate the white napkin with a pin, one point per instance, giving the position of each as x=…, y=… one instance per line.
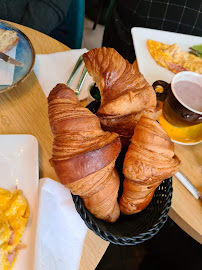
x=60, y=231
x=7, y=70
x=51, y=69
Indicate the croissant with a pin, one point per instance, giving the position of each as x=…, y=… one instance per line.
x=125, y=94
x=83, y=155
x=148, y=161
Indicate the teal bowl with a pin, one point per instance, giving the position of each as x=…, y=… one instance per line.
x=24, y=53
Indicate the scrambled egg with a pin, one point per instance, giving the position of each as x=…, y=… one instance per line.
x=173, y=58
x=14, y=215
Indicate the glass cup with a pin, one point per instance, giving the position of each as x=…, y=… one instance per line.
x=179, y=104
x=90, y=98
x=93, y=99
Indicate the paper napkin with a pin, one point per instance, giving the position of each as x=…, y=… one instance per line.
x=60, y=231
x=7, y=70
x=51, y=69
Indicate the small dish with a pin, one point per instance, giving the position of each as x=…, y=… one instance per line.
x=182, y=135
x=189, y=135
x=19, y=165
x=24, y=53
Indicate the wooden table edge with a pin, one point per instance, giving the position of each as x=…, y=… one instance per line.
x=184, y=226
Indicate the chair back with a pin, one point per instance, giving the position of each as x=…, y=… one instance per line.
x=70, y=32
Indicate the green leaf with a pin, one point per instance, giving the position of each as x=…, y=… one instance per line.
x=197, y=48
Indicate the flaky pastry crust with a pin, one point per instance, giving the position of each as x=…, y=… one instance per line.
x=84, y=155
x=125, y=94
x=149, y=160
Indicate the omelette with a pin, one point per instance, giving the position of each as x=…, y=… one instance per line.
x=173, y=58
x=14, y=215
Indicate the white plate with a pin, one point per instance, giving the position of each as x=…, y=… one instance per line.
x=146, y=64
x=19, y=160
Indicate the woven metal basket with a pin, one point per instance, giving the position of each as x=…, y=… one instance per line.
x=133, y=229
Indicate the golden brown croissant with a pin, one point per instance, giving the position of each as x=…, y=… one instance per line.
x=125, y=94
x=84, y=155
x=149, y=160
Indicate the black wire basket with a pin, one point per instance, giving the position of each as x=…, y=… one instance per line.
x=132, y=229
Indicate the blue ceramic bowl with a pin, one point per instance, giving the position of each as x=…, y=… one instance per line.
x=24, y=53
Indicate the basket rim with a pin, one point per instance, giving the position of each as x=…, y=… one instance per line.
x=125, y=240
